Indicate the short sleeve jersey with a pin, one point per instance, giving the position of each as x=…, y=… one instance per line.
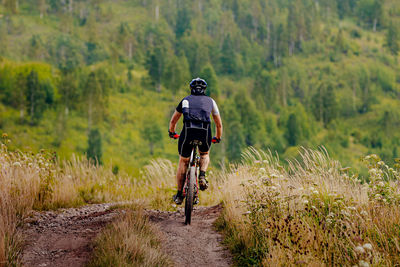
x=197, y=108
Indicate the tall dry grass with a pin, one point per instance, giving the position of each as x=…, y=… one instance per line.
x=311, y=213
x=39, y=181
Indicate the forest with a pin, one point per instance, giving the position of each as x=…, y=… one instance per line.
x=102, y=78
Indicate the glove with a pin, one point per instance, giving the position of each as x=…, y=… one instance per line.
x=173, y=135
x=215, y=140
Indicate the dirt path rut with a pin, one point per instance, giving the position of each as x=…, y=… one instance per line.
x=197, y=244
x=65, y=237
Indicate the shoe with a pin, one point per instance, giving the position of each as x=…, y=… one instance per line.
x=177, y=199
x=203, y=181
x=196, y=200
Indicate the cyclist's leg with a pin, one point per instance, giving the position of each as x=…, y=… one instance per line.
x=180, y=174
x=185, y=149
x=204, y=150
x=204, y=161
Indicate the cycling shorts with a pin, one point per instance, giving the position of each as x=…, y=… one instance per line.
x=188, y=134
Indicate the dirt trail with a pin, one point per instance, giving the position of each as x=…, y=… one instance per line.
x=197, y=244
x=65, y=237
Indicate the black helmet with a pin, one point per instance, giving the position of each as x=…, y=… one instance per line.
x=198, y=86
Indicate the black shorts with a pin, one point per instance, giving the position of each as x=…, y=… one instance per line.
x=185, y=145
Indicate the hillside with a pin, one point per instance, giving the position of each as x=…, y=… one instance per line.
x=285, y=73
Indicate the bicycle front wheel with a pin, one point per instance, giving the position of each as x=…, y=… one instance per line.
x=190, y=195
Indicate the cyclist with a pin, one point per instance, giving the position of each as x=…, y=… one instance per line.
x=196, y=109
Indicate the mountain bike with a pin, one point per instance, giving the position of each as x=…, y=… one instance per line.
x=190, y=187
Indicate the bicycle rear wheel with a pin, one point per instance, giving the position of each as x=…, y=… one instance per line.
x=190, y=195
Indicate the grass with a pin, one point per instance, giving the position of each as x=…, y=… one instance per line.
x=130, y=241
x=312, y=213
x=30, y=181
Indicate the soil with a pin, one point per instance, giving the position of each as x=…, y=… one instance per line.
x=65, y=237
x=197, y=244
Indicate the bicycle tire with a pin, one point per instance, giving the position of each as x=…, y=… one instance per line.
x=190, y=195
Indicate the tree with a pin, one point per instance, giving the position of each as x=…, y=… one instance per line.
x=155, y=64
x=392, y=39
x=209, y=75
x=249, y=117
x=153, y=134
x=94, y=95
x=94, y=151
x=36, y=97
x=176, y=74
x=371, y=12
x=228, y=56
x=36, y=48
x=325, y=105
x=265, y=90
x=234, y=132
x=293, y=132
x=182, y=21
x=11, y=6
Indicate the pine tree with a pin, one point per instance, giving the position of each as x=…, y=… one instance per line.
x=392, y=39
x=209, y=75
x=235, y=137
x=36, y=97
x=153, y=134
x=94, y=150
x=228, y=57
x=293, y=131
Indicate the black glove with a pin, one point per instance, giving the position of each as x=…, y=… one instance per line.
x=215, y=140
x=173, y=135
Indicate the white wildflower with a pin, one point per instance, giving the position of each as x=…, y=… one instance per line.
x=315, y=192
x=313, y=207
x=381, y=184
x=362, y=263
x=273, y=187
x=351, y=208
x=247, y=212
x=312, y=188
x=367, y=246
x=345, y=213
x=17, y=164
x=331, y=214
x=367, y=157
x=364, y=213
x=262, y=170
x=305, y=202
x=359, y=249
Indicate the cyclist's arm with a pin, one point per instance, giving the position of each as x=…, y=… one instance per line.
x=174, y=120
x=218, y=125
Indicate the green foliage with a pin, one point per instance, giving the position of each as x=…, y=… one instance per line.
x=115, y=65
x=393, y=39
x=94, y=151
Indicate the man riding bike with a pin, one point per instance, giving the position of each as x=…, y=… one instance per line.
x=196, y=109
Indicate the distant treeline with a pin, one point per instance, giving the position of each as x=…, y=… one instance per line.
x=285, y=72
